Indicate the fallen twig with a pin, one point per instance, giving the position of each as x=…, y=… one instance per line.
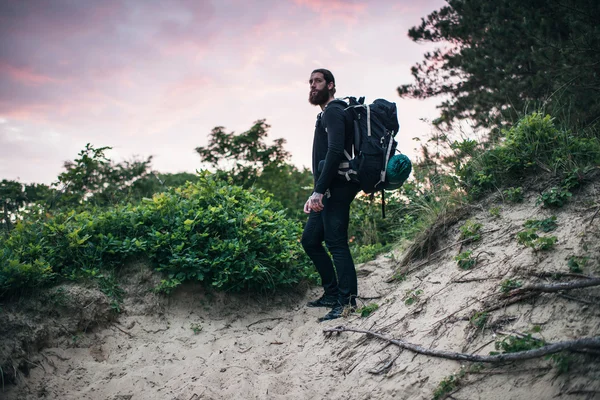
x=385, y=367
x=562, y=274
x=125, y=332
x=557, y=287
x=264, y=320
x=513, y=300
x=583, y=343
x=579, y=300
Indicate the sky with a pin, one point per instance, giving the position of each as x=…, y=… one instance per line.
x=153, y=78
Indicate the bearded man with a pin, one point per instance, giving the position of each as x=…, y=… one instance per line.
x=329, y=205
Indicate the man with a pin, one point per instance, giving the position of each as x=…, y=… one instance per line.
x=329, y=205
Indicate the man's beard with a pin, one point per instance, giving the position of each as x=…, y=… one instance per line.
x=319, y=98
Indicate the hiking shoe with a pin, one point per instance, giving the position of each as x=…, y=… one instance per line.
x=323, y=301
x=336, y=312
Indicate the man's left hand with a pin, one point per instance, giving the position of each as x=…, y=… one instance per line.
x=316, y=202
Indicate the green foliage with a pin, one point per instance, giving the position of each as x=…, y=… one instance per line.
x=576, y=264
x=470, y=230
x=545, y=225
x=534, y=145
x=367, y=310
x=362, y=254
x=465, y=261
x=196, y=328
x=446, y=386
x=514, y=344
x=209, y=231
x=93, y=180
x=554, y=198
x=412, y=296
x=495, y=212
x=479, y=319
x=507, y=55
x=514, y=195
x=246, y=160
x=509, y=284
x=530, y=238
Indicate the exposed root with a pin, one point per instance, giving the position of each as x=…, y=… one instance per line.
x=578, y=344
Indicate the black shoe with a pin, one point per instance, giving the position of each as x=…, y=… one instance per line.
x=323, y=301
x=336, y=312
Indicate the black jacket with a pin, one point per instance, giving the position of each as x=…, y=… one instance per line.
x=332, y=136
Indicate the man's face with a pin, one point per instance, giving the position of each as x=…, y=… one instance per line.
x=319, y=90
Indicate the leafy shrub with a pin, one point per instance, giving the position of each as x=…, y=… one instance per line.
x=495, y=212
x=367, y=310
x=514, y=344
x=368, y=252
x=556, y=197
x=208, y=231
x=412, y=296
x=545, y=225
x=508, y=284
x=470, y=230
x=514, y=195
x=576, y=264
x=533, y=145
x=479, y=319
x=465, y=261
x=530, y=238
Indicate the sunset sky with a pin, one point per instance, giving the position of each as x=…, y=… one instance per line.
x=154, y=77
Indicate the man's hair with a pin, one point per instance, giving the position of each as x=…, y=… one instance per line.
x=328, y=78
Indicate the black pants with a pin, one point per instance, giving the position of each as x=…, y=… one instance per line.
x=331, y=225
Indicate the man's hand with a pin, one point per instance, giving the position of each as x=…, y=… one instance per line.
x=316, y=202
x=307, y=206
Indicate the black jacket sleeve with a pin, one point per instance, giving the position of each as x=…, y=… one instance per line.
x=334, y=123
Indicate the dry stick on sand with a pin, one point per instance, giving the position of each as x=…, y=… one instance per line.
x=584, y=343
x=540, y=287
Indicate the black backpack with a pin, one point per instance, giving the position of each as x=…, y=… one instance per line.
x=372, y=128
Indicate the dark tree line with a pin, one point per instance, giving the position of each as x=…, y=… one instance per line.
x=498, y=59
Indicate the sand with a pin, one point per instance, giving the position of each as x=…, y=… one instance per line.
x=201, y=345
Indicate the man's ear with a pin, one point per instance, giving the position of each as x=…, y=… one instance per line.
x=330, y=85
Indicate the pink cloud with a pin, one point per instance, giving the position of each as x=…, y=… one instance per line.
x=334, y=9
x=26, y=75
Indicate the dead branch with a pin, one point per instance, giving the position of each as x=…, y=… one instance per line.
x=506, y=303
x=592, y=303
x=557, y=287
x=264, y=320
x=583, y=343
x=563, y=274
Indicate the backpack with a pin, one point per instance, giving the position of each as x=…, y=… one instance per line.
x=374, y=164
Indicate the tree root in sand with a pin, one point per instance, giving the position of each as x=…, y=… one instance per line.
x=578, y=344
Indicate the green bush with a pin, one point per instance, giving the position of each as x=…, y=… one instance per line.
x=533, y=145
x=208, y=231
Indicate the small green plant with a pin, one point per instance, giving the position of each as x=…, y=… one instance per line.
x=514, y=344
x=576, y=264
x=399, y=277
x=530, y=238
x=545, y=225
x=509, y=284
x=446, y=386
x=465, y=261
x=554, y=198
x=479, y=319
x=470, y=230
x=367, y=310
x=196, y=328
x=412, y=296
x=514, y=195
x=495, y=212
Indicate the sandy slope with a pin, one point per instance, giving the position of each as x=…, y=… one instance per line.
x=194, y=346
